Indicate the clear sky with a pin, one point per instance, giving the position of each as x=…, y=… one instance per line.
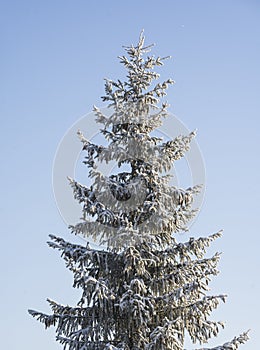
x=54, y=56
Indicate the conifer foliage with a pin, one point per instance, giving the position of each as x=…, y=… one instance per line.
x=145, y=291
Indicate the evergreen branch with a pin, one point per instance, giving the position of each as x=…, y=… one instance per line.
x=48, y=320
x=93, y=150
x=83, y=256
x=196, y=247
x=82, y=345
x=167, y=336
x=174, y=150
x=181, y=273
x=233, y=344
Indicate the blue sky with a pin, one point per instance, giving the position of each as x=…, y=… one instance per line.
x=54, y=56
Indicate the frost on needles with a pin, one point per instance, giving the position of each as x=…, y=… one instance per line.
x=145, y=291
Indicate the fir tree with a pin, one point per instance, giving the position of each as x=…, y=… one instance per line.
x=145, y=290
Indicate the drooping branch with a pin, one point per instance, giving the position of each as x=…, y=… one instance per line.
x=233, y=344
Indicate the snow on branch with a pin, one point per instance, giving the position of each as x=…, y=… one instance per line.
x=47, y=320
x=140, y=76
x=233, y=344
x=194, y=246
x=83, y=256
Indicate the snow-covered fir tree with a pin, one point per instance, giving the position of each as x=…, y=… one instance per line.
x=145, y=291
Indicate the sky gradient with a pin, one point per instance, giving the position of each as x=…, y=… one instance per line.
x=54, y=57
